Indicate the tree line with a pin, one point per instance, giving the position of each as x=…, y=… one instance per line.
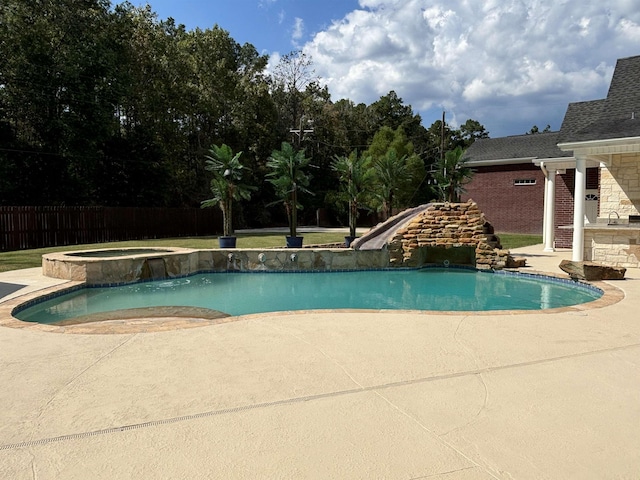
x=110, y=105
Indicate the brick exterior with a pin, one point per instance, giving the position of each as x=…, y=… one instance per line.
x=510, y=208
x=563, y=214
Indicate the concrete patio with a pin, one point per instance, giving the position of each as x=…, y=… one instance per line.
x=330, y=395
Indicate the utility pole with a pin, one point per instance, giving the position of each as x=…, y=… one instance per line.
x=442, y=138
x=300, y=132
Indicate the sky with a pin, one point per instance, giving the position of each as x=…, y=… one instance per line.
x=509, y=64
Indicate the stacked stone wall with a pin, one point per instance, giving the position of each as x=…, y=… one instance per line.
x=447, y=226
x=620, y=186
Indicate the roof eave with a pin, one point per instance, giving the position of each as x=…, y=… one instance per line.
x=610, y=143
x=499, y=161
x=555, y=161
x=563, y=163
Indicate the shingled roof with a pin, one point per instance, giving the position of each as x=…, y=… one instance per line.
x=617, y=116
x=539, y=145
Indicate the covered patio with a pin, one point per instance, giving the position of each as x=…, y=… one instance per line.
x=591, y=172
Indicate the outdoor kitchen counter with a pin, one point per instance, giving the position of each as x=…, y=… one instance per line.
x=612, y=226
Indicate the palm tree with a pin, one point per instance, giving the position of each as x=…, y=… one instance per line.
x=226, y=184
x=452, y=174
x=356, y=179
x=288, y=177
x=391, y=175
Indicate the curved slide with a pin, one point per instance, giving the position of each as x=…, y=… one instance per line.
x=378, y=236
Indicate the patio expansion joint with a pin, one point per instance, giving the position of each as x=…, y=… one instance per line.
x=82, y=372
x=440, y=474
x=296, y=400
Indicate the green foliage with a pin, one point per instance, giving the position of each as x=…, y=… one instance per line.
x=398, y=171
x=288, y=177
x=390, y=111
x=391, y=176
x=356, y=180
x=416, y=190
x=451, y=175
x=534, y=130
x=470, y=131
x=226, y=184
x=110, y=105
x=56, y=94
x=518, y=240
x=443, y=138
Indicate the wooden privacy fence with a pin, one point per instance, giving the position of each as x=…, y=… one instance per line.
x=37, y=227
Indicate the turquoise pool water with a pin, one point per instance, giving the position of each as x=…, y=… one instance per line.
x=244, y=293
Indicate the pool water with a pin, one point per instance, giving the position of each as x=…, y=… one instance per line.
x=240, y=293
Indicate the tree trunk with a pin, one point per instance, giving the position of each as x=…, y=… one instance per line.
x=293, y=227
x=353, y=215
x=227, y=223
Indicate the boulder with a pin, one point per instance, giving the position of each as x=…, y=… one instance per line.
x=592, y=271
x=513, y=262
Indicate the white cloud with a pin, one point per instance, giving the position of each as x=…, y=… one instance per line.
x=266, y=3
x=502, y=62
x=298, y=31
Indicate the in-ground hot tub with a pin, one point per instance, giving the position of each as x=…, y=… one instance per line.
x=118, y=265
x=117, y=252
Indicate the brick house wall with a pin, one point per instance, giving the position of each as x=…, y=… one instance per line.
x=563, y=215
x=519, y=208
x=510, y=196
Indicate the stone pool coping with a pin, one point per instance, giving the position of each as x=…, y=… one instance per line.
x=159, y=319
x=180, y=262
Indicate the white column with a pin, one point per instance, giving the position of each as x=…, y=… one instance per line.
x=548, y=230
x=545, y=172
x=577, y=254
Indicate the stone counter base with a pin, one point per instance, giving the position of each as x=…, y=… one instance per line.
x=615, y=247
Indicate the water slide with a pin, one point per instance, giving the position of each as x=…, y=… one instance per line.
x=379, y=236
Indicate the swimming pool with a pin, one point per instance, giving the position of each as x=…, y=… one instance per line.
x=240, y=293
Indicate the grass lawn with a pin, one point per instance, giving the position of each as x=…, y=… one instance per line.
x=33, y=258
x=517, y=240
